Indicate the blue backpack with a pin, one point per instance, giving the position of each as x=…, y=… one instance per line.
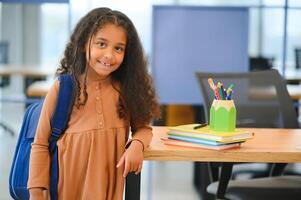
x=20, y=167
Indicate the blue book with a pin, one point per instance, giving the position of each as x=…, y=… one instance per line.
x=199, y=141
x=172, y=142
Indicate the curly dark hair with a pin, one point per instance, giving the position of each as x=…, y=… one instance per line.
x=137, y=100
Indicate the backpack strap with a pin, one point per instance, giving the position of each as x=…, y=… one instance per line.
x=63, y=108
x=59, y=123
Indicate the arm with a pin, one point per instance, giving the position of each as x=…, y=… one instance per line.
x=142, y=134
x=133, y=156
x=37, y=194
x=39, y=165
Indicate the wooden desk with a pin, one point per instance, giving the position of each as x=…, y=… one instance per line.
x=293, y=75
x=30, y=73
x=38, y=88
x=26, y=70
x=294, y=91
x=268, y=146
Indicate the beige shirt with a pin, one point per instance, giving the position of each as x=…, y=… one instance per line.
x=91, y=147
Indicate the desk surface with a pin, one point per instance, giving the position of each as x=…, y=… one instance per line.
x=268, y=145
x=39, y=88
x=294, y=91
x=27, y=70
x=293, y=75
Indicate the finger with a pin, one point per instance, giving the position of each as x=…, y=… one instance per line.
x=134, y=167
x=127, y=168
x=121, y=161
x=139, y=169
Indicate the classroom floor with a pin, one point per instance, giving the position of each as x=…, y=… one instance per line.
x=160, y=180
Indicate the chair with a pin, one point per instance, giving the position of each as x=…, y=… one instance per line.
x=268, y=188
x=4, y=60
x=3, y=52
x=298, y=57
x=5, y=80
x=261, y=100
x=260, y=63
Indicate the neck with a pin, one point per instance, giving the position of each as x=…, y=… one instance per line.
x=93, y=76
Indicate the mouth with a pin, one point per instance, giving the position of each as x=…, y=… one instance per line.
x=105, y=64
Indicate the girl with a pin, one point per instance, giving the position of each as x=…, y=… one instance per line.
x=113, y=92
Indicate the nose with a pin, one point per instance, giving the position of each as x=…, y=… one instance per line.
x=109, y=54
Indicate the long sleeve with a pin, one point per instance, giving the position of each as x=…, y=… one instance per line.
x=39, y=173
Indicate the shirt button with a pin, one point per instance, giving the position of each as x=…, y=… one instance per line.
x=97, y=87
x=100, y=125
x=97, y=98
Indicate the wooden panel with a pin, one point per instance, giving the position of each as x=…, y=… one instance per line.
x=179, y=114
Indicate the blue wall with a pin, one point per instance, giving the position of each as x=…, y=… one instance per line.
x=190, y=39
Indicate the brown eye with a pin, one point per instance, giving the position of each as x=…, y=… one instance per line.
x=119, y=49
x=101, y=44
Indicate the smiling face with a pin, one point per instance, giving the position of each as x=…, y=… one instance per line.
x=107, y=50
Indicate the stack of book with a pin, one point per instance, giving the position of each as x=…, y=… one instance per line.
x=191, y=136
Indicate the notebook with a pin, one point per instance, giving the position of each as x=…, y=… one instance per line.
x=172, y=142
x=208, y=134
x=202, y=141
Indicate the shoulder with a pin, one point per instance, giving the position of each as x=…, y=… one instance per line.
x=57, y=82
x=50, y=100
x=54, y=88
x=52, y=92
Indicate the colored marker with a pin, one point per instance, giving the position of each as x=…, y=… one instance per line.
x=211, y=83
x=200, y=126
x=222, y=92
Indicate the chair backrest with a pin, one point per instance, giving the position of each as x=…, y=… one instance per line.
x=298, y=57
x=3, y=52
x=261, y=98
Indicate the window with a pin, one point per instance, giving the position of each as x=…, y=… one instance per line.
x=265, y=31
x=54, y=32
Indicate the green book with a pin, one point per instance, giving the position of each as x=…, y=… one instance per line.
x=189, y=130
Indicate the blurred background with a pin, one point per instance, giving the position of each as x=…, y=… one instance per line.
x=33, y=35
x=37, y=32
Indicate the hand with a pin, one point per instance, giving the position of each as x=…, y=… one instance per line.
x=132, y=159
x=38, y=194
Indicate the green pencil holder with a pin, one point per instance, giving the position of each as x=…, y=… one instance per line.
x=223, y=115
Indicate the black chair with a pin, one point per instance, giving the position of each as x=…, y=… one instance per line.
x=268, y=188
x=298, y=58
x=4, y=60
x=260, y=63
x=262, y=101
x=4, y=80
x=3, y=52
